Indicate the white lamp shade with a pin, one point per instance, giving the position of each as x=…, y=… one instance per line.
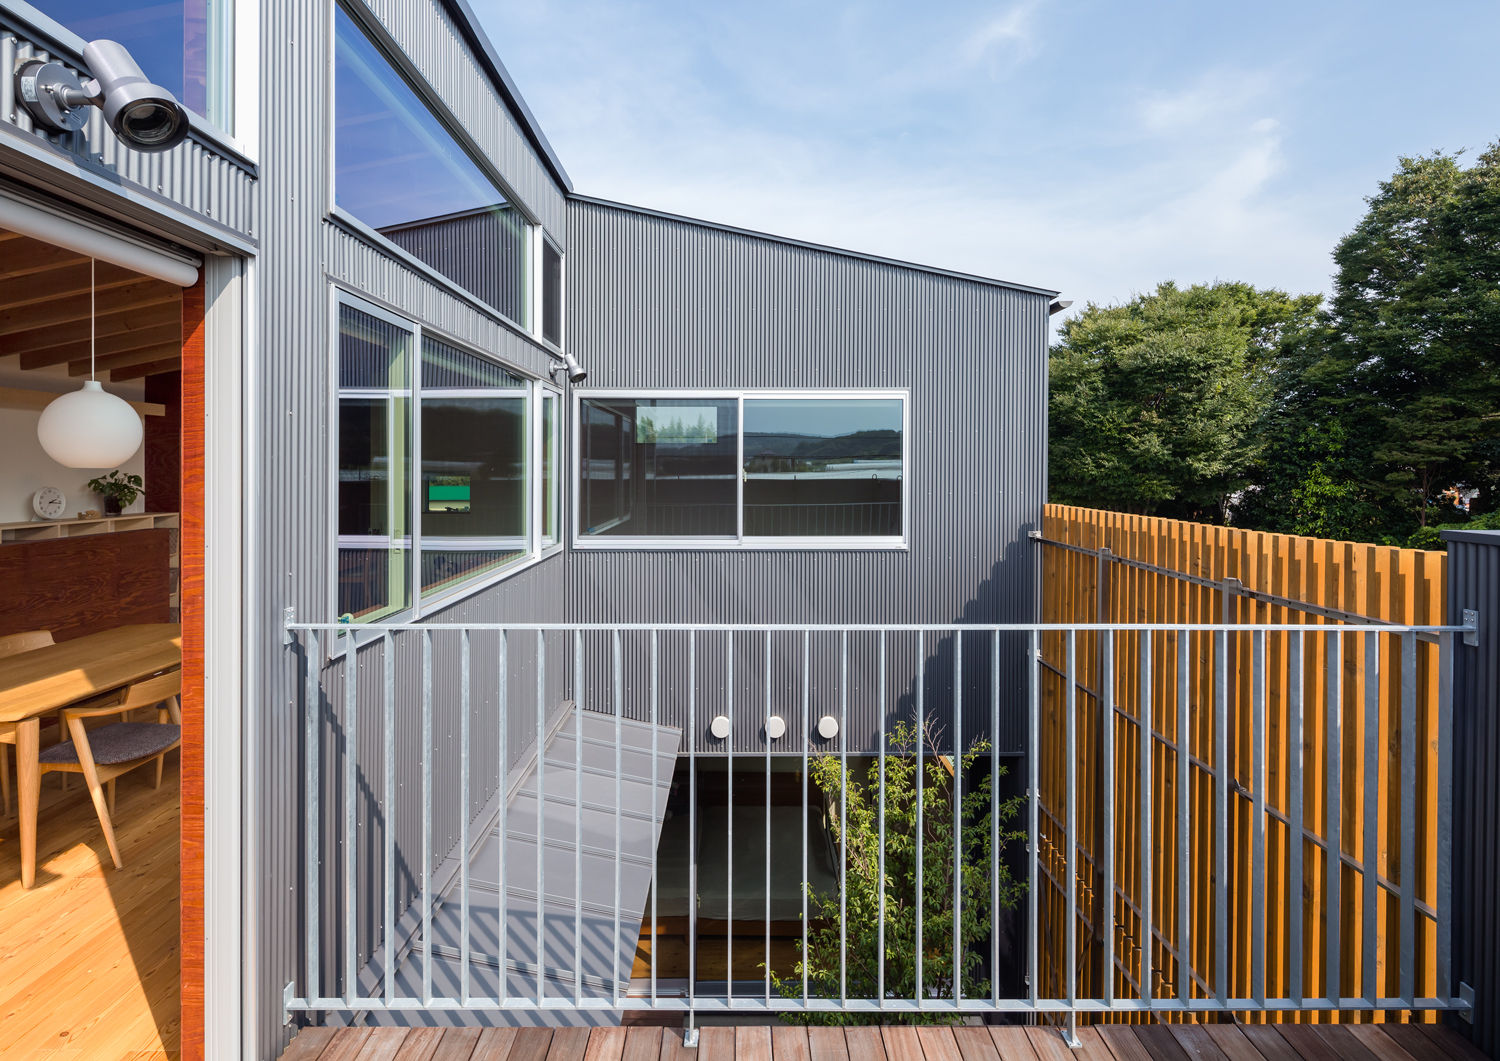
x=89, y=428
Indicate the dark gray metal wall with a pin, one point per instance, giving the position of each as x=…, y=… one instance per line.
x=661, y=302
x=1474, y=583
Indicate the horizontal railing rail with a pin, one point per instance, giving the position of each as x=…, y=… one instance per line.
x=893, y=865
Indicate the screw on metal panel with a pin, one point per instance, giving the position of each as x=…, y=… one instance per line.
x=1471, y=620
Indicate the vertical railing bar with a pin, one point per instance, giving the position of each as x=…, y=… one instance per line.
x=806, y=743
x=1443, y=900
x=541, y=798
x=1371, y=846
x=1408, y=815
x=351, y=843
x=994, y=816
x=1333, y=858
x=880, y=854
x=501, y=931
x=1258, y=825
x=767, y=738
x=917, y=903
x=312, y=750
x=1221, y=816
x=1148, y=854
x=729, y=848
x=1107, y=735
x=844, y=818
x=958, y=825
x=465, y=982
x=619, y=766
x=655, y=781
x=1070, y=750
x=427, y=817
x=692, y=728
x=1033, y=837
x=1184, y=813
x=1296, y=814
x=387, y=916
x=578, y=823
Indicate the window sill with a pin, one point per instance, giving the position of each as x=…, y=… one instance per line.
x=877, y=545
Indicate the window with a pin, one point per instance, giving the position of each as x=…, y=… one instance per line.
x=446, y=467
x=183, y=45
x=759, y=468
x=552, y=293
x=400, y=171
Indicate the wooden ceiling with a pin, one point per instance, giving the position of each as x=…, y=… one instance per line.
x=44, y=313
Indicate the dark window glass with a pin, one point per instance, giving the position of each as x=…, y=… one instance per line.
x=374, y=448
x=659, y=468
x=551, y=294
x=824, y=467
x=399, y=170
x=175, y=42
x=474, y=482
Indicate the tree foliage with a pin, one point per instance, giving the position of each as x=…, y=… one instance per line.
x=974, y=863
x=1154, y=404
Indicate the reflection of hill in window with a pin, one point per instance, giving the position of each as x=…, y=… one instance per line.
x=768, y=452
x=678, y=431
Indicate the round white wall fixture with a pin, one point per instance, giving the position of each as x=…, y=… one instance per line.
x=89, y=428
x=828, y=727
x=775, y=727
x=719, y=727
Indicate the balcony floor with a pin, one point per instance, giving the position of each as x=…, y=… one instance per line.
x=1118, y=1042
x=89, y=957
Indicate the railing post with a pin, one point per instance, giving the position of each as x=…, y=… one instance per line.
x=1103, y=890
x=1468, y=840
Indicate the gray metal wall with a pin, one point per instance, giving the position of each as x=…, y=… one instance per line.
x=1474, y=583
x=660, y=302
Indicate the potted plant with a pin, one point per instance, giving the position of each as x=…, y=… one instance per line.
x=118, y=490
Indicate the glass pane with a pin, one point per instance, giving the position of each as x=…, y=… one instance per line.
x=551, y=294
x=549, y=468
x=399, y=170
x=175, y=42
x=659, y=468
x=825, y=467
x=474, y=487
x=444, y=366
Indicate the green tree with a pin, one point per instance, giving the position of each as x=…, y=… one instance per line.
x=975, y=863
x=1154, y=404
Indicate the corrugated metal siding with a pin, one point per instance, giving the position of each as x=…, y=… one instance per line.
x=662, y=303
x=1474, y=583
x=191, y=174
x=431, y=42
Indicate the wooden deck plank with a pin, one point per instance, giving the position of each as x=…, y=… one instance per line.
x=1452, y=1042
x=605, y=1044
x=568, y=1044
x=938, y=1043
x=716, y=1043
x=308, y=1044
x=383, y=1044
x=1048, y=1043
x=1159, y=1042
x=420, y=1044
x=1416, y=1042
x=1306, y=1043
x=825, y=1044
x=753, y=1042
x=1379, y=1043
x=672, y=1048
x=1197, y=1043
x=642, y=1043
x=1092, y=1046
x=1342, y=1042
x=494, y=1044
x=1123, y=1042
x=1232, y=1041
x=789, y=1043
x=901, y=1043
x=865, y=1043
x=975, y=1044
x=1266, y=1039
x=457, y=1044
x=530, y=1044
x=1011, y=1043
x=347, y=1044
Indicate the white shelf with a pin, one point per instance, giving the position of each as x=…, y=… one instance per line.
x=44, y=529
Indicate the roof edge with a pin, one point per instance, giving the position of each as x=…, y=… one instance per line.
x=790, y=241
x=468, y=24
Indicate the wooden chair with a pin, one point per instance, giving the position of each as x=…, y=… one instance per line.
x=103, y=754
x=14, y=645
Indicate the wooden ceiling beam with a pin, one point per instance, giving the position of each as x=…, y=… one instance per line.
x=59, y=343
x=143, y=356
x=153, y=368
x=134, y=296
x=54, y=284
x=123, y=345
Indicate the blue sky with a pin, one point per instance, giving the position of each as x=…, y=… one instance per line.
x=1093, y=147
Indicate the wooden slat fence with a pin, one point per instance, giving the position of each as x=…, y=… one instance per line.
x=1117, y=568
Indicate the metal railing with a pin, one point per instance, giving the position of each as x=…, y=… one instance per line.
x=417, y=741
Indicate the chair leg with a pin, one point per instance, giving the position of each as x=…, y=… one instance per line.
x=96, y=793
x=5, y=779
x=109, y=787
x=161, y=761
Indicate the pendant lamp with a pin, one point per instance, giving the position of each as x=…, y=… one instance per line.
x=90, y=428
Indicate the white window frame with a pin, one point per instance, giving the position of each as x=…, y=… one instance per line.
x=421, y=605
x=540, y=501
x=739, y=540
x=538, y=304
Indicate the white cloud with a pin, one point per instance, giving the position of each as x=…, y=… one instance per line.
x=1008, y=34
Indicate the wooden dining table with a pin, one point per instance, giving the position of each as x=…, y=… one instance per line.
x=45, y=680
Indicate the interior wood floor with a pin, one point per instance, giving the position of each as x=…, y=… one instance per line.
x=89, y=957
x=1117, y=1042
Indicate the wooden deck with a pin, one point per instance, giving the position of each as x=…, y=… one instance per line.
x=88, y=957
x=1119, y=1042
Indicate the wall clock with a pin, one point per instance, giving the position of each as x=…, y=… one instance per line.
x=49, y=503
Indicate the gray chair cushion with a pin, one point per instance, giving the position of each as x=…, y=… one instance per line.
x=119, y=742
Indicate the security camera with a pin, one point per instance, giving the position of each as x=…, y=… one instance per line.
x=144, y=116
x=576, y=372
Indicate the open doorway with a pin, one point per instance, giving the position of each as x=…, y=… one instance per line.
x=90, y=602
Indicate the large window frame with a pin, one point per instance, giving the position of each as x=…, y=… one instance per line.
x=740, y=540
x=537, y=392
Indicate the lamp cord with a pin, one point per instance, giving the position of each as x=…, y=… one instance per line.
x=93, y=321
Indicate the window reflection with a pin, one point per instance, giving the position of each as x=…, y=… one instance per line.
x=399, y=170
